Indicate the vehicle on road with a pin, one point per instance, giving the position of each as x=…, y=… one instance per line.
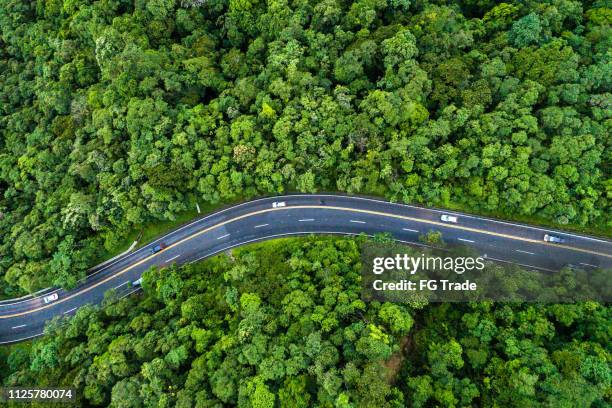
x=448, y=218
x=137, y=282
x=50, y=298
x=278, y=204
x=158, y=248
x=553, y=238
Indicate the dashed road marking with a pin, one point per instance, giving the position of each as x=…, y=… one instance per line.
x=358, y=222
x=118, y=286
x=70, y=310
x=173, y=258
x=130, y=292
x=408, y=229
x=223, y=236
x=261, y=225
x=18, y=327
x=465, y=240
x=306, y=219
x=524, y=252
x=586, y=264
x=297, y=207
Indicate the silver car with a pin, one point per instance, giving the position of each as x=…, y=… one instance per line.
x=553, y=238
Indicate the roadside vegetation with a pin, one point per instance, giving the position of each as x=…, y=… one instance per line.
x=282, y=323
x=119, y=114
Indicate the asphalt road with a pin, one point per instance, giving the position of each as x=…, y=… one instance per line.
x=258, y=220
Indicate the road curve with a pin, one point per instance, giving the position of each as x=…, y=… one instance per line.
x=259, y=220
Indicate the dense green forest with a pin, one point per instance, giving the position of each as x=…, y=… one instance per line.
x=119, y=113
x=283, y=323
x=116, y=113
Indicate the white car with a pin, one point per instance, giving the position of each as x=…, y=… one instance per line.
x=137, y=282
x=552, y=238
x=448, y=218
x=50, y=298
x=278, y=204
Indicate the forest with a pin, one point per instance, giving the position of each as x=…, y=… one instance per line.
x=116, y=114
x=282, y=324
x=119, y=113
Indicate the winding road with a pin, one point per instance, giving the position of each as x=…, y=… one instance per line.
x=258, y=220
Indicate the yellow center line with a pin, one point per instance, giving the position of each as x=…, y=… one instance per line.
x=327, y=207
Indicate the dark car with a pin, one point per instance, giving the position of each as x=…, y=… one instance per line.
x=158, y=248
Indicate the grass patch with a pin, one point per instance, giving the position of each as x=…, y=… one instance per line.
x=154, y=229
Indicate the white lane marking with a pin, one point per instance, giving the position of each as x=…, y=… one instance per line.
x=358, y=222
x=118, y=286
x=354, y=198
x=315, y=196
x=586, y=264
x=29, y=298
x=376, y=201
x=524, y=252
x=18, y=327
x=306, y=219
x=215, y=214
x=70, y=310
x=466, y=215
x=411, y=230
x=198, y=220
x=93, y=286
x=261, y=225
x=129, y=293
x=173, y=258
x=223, y=236
x=305, y=233
x=465, y=240
x=21, y=339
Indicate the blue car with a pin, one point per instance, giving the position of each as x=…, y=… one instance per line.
x=158, y=248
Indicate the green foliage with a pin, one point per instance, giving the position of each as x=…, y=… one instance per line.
x=115, y=114
x=525, y=31
x=278, y=347
x=433, y=238
x=296, y=325
x=397, y=318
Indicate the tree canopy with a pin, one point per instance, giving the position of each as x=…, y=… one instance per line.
x=283, y=324
x=116, y=113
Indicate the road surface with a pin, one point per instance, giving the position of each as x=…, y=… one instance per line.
x=259, y=220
